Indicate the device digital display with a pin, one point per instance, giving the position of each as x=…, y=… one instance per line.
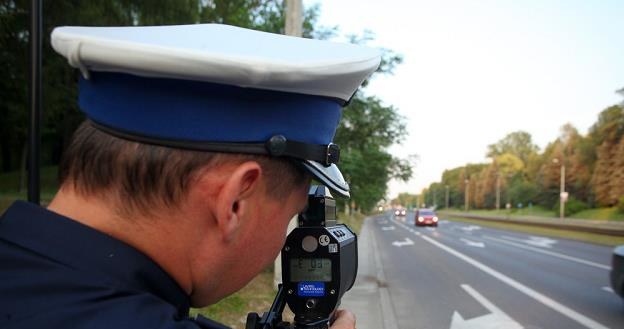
x=310, y=269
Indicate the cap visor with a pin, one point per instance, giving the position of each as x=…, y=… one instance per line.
x=330, y=176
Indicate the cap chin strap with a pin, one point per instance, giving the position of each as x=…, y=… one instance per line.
x=277, y=146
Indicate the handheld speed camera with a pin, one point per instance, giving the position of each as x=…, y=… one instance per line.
x=319, y=264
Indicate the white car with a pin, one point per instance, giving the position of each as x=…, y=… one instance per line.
x=400, y=212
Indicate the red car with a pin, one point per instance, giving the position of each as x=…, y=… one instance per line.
x=425, y=217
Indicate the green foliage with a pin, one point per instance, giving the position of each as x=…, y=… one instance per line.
x=572, y=206
x=365, y=132
x=621, y=204
x=523, y=192
x=518, y=143
x=594, y=169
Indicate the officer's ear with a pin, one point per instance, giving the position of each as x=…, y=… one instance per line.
x=234, y=197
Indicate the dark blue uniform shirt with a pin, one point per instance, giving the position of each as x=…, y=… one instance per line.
x=58, y=273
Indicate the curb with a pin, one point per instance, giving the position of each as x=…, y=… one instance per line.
x=369, y=298
x=387, y=309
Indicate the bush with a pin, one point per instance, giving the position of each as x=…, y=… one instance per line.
x=621, y=204
x=572, y=206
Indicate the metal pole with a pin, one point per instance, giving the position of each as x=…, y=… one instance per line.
x=447, y=197
x=34, y=139
x=562, y=188
x=435, y=201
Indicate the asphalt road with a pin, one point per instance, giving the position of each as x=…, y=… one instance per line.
x=460, y=275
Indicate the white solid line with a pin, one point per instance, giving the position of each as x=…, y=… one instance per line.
x=566, y=311
x=551, y=253
x=608, y=289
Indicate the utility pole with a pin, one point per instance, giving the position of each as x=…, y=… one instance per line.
x=447, y=197
x=294, y=18
x=497, y=192
x=435, y=200
x=293, y=27
x=562, y=195
x=466, y=194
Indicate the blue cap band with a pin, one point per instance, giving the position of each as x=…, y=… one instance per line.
x=171, y=109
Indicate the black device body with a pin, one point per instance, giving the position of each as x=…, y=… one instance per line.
x=319, y=264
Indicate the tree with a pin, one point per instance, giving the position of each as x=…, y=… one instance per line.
x=518, y=143
x=406, y=199
x=365, y=132
x=606, y=134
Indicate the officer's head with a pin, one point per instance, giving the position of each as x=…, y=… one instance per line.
x=218, y=125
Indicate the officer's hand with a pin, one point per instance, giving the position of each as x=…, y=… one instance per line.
x=343, y=320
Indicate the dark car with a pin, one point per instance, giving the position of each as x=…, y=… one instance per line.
x=425, y=217
x=617, y=271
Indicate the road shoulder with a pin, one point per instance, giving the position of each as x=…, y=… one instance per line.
x=369, y=298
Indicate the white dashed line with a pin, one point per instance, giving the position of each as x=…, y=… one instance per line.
x=547, y=301
x=550, y=253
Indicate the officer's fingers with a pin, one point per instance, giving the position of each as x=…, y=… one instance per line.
x=343, y=320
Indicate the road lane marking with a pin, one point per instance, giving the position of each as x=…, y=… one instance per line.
x=547, y=301
x=608, y=289
x=551, y=253
x=406, y=242
x=495, y=319
x=473, y=243
x=537, y=241
x=388, y=228
x=470, y=228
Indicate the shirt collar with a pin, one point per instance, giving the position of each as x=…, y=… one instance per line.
x=82, y=247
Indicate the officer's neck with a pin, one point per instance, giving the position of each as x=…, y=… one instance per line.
x=152, y=236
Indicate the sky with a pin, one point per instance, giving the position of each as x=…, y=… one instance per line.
x=474, y=71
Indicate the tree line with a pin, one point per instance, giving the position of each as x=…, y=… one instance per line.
x=367, y=130
x=522, y=175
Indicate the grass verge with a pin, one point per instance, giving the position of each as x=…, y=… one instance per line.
x=232, y=311
x=611, y=213
x=557, y=233
x=354, y=221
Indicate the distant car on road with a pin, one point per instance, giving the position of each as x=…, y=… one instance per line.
x=400, y=212
x=617, y=271
x=425, y=217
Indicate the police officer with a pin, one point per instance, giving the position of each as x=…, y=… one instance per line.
x=199, y=146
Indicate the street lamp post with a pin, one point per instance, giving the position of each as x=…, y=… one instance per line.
x=447, y=197
x=563, y=196
x=497, y=192
x=467, y=181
